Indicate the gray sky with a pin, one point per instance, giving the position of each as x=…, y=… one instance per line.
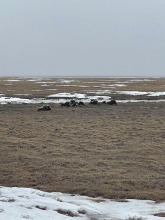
x=82, y=38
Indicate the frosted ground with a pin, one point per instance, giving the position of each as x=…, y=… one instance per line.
x=25, y=203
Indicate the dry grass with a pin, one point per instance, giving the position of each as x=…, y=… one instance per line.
x=82, y=212
x=112, y=151
x=161, y=214
x=41, y=207
x=66, y=212
x=136, y=218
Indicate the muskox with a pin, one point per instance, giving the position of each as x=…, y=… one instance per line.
x=112, y=102
x=44, y=108
x=73, y=103
x=81, y=103
x=93, y=102
x=66, y=104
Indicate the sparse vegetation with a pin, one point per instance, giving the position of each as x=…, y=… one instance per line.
x=136, y=218
x=7, y=200
x=161, y=214
x=41, y=207
x=66, y=212
x=81, y=211
x=98, y=200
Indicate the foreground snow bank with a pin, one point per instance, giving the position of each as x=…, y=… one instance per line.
x=24, y=203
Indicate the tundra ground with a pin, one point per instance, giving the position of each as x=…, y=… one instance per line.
x=117, y=152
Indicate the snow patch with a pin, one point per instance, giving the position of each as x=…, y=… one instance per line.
x=23, y=94
x=46, y=85
x=25, y=203
x=66, y=81
x=140, y=93
x=68, y=95
x=156, y=93
x=45, y=82
x=99, y=91
x=12, y=80
x=132, y=92
x=49, y=89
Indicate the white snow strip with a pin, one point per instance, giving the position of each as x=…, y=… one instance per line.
x=14, y=100
x=38, y=90
x=23, y=94
x=26, y=203
x=118, y=85
x=106, y=86
x=140, y=80
x=49, y=89
x=35, y=79
x=135, y=100
x=12, y=80
x=68, y=95
x=93, y=82
x=63, y=97
x=66, y=81
x=67, y=85
x=140, y=93
x=156, y=93
x=102, y=98
x=108, y=80
x=45, y=82
x=46, y=85
x=132, y=92
x=99, y=91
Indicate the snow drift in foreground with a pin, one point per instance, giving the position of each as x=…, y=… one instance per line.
x=25, y=203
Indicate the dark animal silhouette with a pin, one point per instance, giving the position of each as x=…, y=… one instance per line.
x=112, y=102
x=93, y=102
x=81, y=103
x=67, y=104
x=44, y=108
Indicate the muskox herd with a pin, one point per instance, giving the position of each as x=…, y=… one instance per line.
x=95, y=102
x=74, y=103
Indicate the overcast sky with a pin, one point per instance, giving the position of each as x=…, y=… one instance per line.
x=82, y=38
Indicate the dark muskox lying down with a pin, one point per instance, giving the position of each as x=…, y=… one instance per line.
x=112, y=102
x=44, y=108
x=73, y=103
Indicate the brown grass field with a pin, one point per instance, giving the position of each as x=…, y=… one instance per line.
x=117, y=152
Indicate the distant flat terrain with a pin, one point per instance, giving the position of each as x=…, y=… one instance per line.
x=116, y=88
x=116, y=152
